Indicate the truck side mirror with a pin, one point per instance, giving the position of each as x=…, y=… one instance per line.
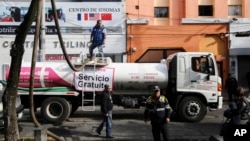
x=211, y=71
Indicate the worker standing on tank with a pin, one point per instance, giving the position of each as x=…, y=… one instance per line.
x=97, y=38
x=158, y=111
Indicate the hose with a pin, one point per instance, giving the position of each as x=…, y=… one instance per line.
x=61, y=39
x=51, y=89
x=33, y=65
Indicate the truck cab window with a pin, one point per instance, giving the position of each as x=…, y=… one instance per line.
x=200, y=64
x=196, y=66
x=203, y=66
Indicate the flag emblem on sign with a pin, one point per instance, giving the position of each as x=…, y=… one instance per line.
x=79, y=16
x=94, y=16
x=106, y=16
x=84, y=16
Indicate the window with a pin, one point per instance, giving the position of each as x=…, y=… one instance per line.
x=201, y=64
x=196, y=65
x=234, y=10
x=205, y=10
x=161, y=12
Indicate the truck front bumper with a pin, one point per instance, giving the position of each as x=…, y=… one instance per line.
x=220, y=102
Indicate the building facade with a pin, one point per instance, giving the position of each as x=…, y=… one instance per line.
x=158, y=28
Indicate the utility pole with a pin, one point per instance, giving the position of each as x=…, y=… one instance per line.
x=41, y=51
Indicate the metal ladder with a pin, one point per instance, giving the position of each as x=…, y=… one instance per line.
x=84, y=100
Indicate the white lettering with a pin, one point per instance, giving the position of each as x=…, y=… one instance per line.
x=7, y=30
x=240, y=132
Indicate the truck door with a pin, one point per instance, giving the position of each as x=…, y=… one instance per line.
x=203, y=78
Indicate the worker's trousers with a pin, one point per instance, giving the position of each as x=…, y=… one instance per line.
x=107, y=121
x=158, y=129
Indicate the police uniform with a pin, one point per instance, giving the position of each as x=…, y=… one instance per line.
x=157, y=110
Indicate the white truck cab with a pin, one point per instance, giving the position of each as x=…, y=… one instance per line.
x=194, y=84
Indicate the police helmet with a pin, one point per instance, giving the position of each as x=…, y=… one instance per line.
x=156, y=88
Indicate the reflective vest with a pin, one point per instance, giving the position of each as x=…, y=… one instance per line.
x=157, y=109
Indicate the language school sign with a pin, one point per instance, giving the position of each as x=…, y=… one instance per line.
x=70, y=14
x=76, y=20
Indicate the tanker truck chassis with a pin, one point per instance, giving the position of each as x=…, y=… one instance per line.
x=189, y=80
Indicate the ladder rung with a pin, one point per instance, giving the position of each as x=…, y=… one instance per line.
x=88, y=100
x=84, y=109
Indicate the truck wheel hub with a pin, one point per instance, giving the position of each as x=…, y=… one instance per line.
x=55, y=110
x=193, y=109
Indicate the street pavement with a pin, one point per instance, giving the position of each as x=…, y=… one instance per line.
x=128, y=125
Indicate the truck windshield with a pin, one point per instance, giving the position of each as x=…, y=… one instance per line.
x=203, y=65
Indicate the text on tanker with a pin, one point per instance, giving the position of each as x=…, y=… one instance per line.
x=92, y=78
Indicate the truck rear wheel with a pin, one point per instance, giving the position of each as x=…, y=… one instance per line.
x=192, y=109
x=55, y=109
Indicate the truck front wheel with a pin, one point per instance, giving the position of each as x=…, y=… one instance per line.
x=55, y=109
x=192, y=109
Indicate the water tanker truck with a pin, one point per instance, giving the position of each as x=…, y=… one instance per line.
x=189, y=80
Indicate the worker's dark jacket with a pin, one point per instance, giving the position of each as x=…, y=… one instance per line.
x=98, y=35
x=157, y=110
x=106, y=102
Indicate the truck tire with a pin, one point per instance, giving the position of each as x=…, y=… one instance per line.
x=55, y=109
x=192, y=109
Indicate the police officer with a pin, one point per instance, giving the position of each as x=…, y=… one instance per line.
x=158, y=111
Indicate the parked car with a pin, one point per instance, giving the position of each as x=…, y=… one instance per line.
x=19, y=106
